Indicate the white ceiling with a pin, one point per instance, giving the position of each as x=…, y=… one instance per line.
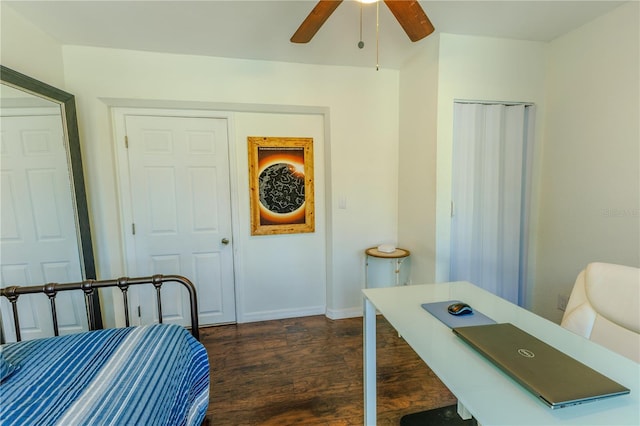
x=261, y=29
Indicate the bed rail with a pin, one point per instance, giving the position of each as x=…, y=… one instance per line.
x=89, y=286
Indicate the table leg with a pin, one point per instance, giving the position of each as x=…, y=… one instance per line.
x=463, y=412
x=369, y=362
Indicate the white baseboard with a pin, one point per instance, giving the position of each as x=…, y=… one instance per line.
x=281, y=314
x=336, y=314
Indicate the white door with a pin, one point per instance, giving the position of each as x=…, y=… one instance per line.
x=490, y=188
x=38, y=239
x=181, y=213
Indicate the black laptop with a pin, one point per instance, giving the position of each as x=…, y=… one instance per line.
x=554, y=377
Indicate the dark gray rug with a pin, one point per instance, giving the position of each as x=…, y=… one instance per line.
x=445, y=416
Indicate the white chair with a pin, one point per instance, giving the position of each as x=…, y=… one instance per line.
x=604, y=307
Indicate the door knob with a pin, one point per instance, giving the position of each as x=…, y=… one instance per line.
x=225, y=241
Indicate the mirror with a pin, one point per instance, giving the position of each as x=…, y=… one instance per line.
x=45, y=233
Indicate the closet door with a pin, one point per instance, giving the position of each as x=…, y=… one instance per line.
x=180, y=205
x=490, y=189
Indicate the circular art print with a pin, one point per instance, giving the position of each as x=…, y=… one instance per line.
x=281, y=182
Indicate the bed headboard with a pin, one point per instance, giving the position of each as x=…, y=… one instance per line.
x=89, y=287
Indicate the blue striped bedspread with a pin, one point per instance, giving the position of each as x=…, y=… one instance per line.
x=149, y=375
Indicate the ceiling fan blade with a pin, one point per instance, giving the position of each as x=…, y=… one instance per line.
x=411, y=17
x=314, y=21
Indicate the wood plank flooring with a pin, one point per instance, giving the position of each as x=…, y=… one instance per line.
x=308, y=371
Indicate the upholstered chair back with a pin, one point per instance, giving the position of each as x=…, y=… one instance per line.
x=604, y=307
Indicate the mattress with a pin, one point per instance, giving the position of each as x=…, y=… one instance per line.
x=149, y=375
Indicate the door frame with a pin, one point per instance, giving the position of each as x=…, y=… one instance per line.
x=123, y=185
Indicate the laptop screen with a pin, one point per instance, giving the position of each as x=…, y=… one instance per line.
x=554, y=377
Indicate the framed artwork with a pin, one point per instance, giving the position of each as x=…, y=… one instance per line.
x=281, y=185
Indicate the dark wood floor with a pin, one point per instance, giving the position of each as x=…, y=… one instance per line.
x=308, y=371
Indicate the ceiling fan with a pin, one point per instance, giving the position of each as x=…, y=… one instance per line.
x=409, y=14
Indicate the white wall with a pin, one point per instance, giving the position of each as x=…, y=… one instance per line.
x=417, y=172
x=280, y=275
x=591, y=168
x=28, y=50
x=360, y=157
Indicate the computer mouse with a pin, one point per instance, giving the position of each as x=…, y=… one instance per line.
x=459, y=309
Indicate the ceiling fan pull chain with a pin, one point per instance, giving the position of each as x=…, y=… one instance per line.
x=361, y=43
x=377, y=36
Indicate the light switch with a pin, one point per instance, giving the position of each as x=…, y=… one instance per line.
x=342, y=202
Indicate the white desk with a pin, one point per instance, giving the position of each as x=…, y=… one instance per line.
x=489, y=395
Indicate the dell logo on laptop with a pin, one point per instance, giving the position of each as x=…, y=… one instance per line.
x=526, y=353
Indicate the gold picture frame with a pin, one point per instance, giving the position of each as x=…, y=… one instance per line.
x=281, y=185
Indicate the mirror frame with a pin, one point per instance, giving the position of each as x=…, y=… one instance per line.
x=70, y=125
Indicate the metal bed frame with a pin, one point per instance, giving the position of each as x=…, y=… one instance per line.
x=90, y=286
